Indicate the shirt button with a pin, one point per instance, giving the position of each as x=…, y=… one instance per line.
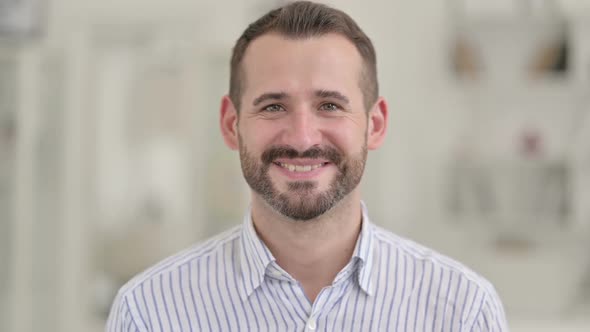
x=311, y=324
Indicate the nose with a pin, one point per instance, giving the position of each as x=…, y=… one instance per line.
x=302, y=130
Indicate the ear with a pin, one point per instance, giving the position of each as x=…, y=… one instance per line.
x=377, y=124
x=228, y=121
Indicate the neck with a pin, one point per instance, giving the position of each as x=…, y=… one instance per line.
x=313, y=251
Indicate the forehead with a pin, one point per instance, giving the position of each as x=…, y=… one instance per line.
x=276, y=62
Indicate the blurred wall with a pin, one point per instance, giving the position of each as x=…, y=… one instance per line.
x=121, y=141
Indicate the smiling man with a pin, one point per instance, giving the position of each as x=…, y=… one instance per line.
x=303, y=110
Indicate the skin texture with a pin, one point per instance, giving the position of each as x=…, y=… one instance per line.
x=302, y=105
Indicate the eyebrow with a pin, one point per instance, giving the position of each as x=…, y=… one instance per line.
x=269, y=96
x=332, y=94
x=282, y=95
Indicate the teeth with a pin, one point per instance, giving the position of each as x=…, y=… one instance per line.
x=299, y=168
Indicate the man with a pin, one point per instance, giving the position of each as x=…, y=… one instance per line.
x=302, y=110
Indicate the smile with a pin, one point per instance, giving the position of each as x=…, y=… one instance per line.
x=300, y=168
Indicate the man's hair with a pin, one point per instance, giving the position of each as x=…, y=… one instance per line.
x=304, y=19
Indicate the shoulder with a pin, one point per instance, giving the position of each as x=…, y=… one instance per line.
x=195, y=255
x=442, y=282
x=137, y=304
x=452, y=280
x=421, y=254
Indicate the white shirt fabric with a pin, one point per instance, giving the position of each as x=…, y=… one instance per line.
x=232, y=283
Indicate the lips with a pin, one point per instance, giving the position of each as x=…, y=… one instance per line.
x=289, y=158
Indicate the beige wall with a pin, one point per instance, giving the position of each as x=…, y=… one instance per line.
x=139, y=57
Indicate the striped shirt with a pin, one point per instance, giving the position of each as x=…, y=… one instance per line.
x=233, y=283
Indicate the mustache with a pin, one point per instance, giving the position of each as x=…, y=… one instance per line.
x=283, y=151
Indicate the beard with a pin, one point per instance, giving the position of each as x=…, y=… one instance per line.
x=300, y=201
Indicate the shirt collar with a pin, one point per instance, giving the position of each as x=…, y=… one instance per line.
x=255, y=256
x=363, y=251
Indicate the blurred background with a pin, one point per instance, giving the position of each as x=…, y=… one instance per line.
x=111, y=158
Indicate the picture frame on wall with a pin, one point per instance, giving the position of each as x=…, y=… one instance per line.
x=22, y=19
x=7, y=150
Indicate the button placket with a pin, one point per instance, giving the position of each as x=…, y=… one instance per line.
x=312, y=324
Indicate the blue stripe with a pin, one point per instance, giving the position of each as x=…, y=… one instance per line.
x=155, y=302
x=398, y=318
x=274, y=305
x=407, y=316
x=193, y=294
x=147, y=310
x=455, y=302
x=464, y=305
x=175, y=305
x=447, y=297
x=420, y=284
x=218, y=288
x=356, y=303
x=190, y=325
x=163, y=295
x=278, y=299
x=395, y=284
x=233, y=301
x=208, y=317
x=437, y=297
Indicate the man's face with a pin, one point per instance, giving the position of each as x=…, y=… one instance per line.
x=302, y=127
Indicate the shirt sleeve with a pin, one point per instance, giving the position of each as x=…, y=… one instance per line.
x=121, y=318
x=491, y=316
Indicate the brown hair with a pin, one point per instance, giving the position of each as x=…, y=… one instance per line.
x=304, y=19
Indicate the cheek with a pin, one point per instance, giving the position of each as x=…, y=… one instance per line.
x=258, y=136
x=349, y=139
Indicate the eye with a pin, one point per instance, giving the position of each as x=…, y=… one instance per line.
x=330, y=107
x=274, y=108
